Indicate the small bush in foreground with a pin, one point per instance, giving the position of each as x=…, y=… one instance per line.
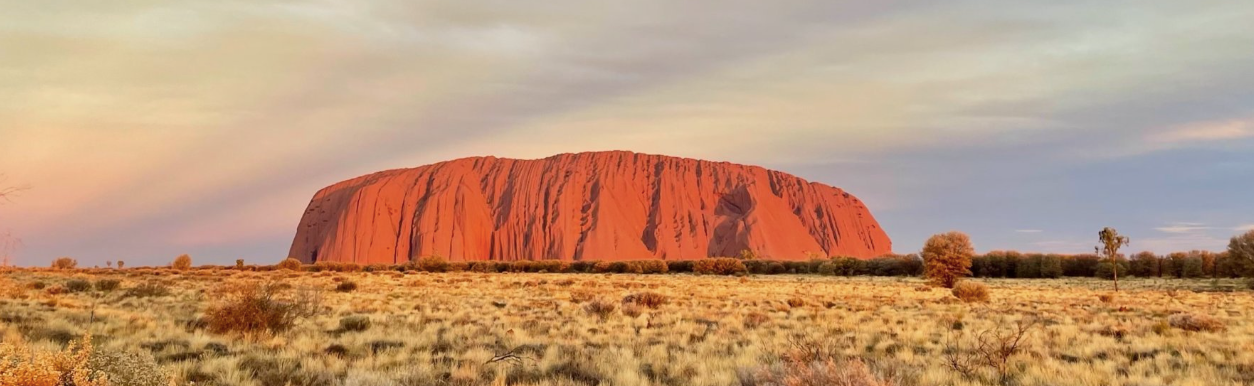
x=647, y=299
x=1195, y=322
x=255, y=307
x=970, y=292
x=601, y=309
x=355, y=323
x=129, y=369
x=21, y=365
x=346, y=286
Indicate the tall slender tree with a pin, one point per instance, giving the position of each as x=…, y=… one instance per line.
x=1111, y=242
x=8, y=242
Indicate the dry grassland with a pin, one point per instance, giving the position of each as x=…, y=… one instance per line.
x=627, y=330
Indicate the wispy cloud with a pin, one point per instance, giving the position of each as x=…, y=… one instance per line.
x=1206, y=132
x=1244, y=228
x=1184, y=228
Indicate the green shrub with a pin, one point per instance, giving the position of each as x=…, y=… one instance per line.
x=148, y=289
x=108, y=285
x=77, y=285
x=355, y=323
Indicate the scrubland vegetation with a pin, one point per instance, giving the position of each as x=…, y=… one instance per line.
x=1181, y=319
x=227, y=326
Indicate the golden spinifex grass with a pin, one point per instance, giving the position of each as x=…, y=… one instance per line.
x=577, y=329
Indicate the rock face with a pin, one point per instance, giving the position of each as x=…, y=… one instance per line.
x=586, y=206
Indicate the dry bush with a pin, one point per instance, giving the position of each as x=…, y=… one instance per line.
x=947, y=258
x=1106, y=298
x=795, y=302
x=346, y=286
x=77, y=285
x=632, y=310
x=813, y=362
x=249, y=307
x=602, y=309
x=652, y=300
x=182, y=263
x=431, y=264
x=355, y=323
x=989, y=350
x=64, y=263
x=755, y=319
x=289, y=264
x=719, y=266
x=970, y=292
x=21, y=365
x=148, y=289
x=1195, y=322
x=108, y=285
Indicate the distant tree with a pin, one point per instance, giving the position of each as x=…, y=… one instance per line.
x=1144, y=264
x=947, y=258
x=748, y=254
x=64, y=263
x=1241, y=252
x=121, y=264
x=1109, y=249
x=182, y=263
x=109, y=263
x=239, y=263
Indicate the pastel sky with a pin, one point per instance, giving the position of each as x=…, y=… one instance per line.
x=148, y=129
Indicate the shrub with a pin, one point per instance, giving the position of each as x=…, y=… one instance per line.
x=632, y=310
x=66, y=263
x=647, y=299
x=970, y=292
x=239, y=264
x=601, y=309
x=827, y=269
x=22, y=365
x=78, y=285
x=679, y=266
x=129, y=369
x=719, y=266
x=1195, y=322
x=947, y=258
x=1241, y=252
x=290, y=264
x=346, y=286
x=355, y=323
x=248, y=307
x=108, y=285
x=182, y=263
x=1106, y=298
x=755, y=319
x=653, y=266
x=148, y=289
x=431, y=264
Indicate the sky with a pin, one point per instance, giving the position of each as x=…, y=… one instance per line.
x=149, y=129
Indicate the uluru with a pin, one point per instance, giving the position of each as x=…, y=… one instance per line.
x=586, y=206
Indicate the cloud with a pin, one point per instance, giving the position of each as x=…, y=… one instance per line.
x=1183, y=228
x=1206, y=132
x=1244, y=228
